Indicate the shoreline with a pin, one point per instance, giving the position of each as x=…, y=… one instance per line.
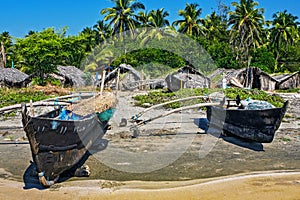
x=261, y=185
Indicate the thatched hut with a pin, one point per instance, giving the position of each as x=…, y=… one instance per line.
x=251, y=77
x=186, y=77
x=74, y=77
x=254, y=77
x=11, y=77
x=288, y=81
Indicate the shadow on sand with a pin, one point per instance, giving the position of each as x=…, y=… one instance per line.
x=30, y=176
x=203, y=123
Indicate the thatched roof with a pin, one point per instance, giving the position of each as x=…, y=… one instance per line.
x=288, y=81
x=11, y=77
x=73, y=76
x=123, y=69
x=252, y=77
x=187, y=77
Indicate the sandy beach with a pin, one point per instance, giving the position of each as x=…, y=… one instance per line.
x=227, y=168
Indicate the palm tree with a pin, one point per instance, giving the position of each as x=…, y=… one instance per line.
x=103, y=31
x=6, y=45
x=89, y=34
x=157, y=18
x=143, y=18
x=156, y=27
x=191, y=24
x=246, y=27
x=215, y=27
x=121, y=16
x=283, y=33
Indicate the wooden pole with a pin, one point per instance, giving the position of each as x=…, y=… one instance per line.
x=176, y=110
x=118, y=80
x=102, y=82
x=31, y=108
x=36, y=104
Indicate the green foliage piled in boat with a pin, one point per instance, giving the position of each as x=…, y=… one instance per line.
x=160, y=96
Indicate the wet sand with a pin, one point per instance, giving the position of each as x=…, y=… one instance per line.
x=267, y=186
x=231, y=168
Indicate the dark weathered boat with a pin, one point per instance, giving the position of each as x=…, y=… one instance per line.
x=254, y=125
x=58, y=145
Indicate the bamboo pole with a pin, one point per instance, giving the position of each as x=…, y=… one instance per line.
x=118, y=80
x=173, y=101
x=102, y=82
x=31, y=108
x=36, y=104
x=176, y=110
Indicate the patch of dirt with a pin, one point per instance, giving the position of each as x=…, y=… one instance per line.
x=52, y=89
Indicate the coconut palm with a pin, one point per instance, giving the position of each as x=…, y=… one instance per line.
x=192, y=23
x=215, y=27
x=156, y=27
x=283, y=33
x=143, y=18
x=103, y=31
x=6, y=46
x=246, y=26
x=157, y=18
x=89, y=34
x=122, y=17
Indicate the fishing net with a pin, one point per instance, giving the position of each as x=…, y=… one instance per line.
x=96, y=104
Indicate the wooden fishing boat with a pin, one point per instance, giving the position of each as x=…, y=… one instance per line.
x=58, y=145
x=254, y=125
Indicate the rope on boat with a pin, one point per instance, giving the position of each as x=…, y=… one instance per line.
x=44, y=182
x=3, y=143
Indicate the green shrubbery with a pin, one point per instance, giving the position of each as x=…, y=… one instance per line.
x=160, y=96
x=15, y=96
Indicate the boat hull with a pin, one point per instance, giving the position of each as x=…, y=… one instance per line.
x=254, y=125
x=59, y=145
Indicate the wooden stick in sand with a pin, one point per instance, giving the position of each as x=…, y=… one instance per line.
x=102, y=82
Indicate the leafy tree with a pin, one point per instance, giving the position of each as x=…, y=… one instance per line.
x=148, y=57
x=39, y=52
x=90, y=38
x=222, y=54
x=264, y=60
x=73, y=51
x=290, y=59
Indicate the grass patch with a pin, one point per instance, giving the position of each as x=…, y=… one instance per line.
x=294, y=90
x=15, y=96
x=288, y=116
x=285, y=139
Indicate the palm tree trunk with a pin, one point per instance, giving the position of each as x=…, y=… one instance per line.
x=3, y=56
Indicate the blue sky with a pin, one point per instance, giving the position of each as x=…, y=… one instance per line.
x=19, y=17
